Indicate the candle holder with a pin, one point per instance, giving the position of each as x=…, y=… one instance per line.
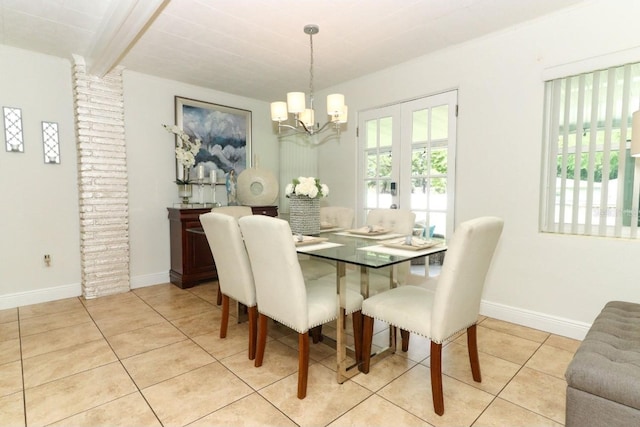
x=213, y=195
x=201, y=190
x=184, y=191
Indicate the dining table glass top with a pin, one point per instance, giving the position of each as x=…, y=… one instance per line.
x=366, y=252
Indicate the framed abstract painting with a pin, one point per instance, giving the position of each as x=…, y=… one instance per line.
x=225, y=133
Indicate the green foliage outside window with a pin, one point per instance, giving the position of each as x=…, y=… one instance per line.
x=584, y=166
x=380, y=166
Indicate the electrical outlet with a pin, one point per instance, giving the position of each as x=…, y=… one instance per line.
x=47, y=260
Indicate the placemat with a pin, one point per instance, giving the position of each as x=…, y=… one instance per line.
x=308, y=240
x=374, y=237
x=400, y=252
x=317, y=246
x=416, y=244
x=368, y=231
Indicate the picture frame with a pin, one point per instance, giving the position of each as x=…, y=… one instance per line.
x=225, y=133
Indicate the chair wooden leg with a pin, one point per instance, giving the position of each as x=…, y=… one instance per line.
x=224, y=324
x=262, y=339
x=405, y=340
x=219, y=297
x=357, y=334
x=316, y=334
x=436, y=378
x=253, y=333
x=303, y=364
x=472, y=345
x=367, y=337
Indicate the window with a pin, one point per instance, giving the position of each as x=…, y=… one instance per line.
x=590, y=181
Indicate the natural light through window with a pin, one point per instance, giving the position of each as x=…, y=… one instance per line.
x=591, y=182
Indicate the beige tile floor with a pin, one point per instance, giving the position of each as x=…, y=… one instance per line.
x=153, y=357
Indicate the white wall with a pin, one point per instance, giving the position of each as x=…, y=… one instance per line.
x=40, y=202
x=39, y=213
x=149, y=102
x=552, y=282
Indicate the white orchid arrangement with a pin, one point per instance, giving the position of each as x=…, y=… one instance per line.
x=186, y=150
x=307, y=186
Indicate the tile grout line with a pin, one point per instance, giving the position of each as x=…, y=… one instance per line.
x=24, y=389
x=139, y=391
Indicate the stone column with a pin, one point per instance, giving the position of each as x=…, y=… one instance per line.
x=102, y=181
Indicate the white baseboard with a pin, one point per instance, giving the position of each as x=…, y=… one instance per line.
x=544, y=322
x=37, y=296
x=149, y=280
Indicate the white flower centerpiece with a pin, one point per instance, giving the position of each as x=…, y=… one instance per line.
x=304, y=195
x=186, y=151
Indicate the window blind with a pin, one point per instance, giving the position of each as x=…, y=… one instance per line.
x=591, y=184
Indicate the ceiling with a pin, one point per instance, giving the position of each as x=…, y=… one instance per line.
x=255, y=48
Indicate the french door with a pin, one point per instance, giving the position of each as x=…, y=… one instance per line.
x=407, y=161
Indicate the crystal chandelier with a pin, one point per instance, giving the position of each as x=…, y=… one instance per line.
x=303, y=117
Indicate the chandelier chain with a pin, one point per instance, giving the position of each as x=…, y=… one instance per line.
x=311, y=71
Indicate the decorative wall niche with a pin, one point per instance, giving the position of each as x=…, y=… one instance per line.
x=13, y=129
x=50, y=143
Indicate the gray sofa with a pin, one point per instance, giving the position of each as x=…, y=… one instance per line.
x=603, y=379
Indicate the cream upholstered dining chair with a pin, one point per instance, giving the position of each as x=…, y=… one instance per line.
x=282, y=294
x=235, y=277
x=236, y=212
x=336, y=216
x=330, y=216
x=398, y=221
x=453, y=307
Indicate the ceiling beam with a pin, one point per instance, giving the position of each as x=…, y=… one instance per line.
x=125, y=22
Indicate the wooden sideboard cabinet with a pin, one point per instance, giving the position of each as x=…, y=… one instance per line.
x=265, y=210
x=191, y=259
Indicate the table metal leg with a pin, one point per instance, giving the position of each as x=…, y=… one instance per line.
x=364, y=281
x=341, y=345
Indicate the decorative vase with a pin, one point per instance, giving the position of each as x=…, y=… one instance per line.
x=257, y=187
x=304, y=215
x=185, y=191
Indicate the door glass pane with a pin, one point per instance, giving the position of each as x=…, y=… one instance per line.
x=384, y=190
x=420, y=228
x=372, y=194
x=386, y=128
x=440, y=122
x=419, y=161
x=420, y=125
x=378, y=193
x=438, y=220
x=438, y=161
x=419, y=195
x=372, y=133
x=438, y=194
x=372, y=165
x=384, y=169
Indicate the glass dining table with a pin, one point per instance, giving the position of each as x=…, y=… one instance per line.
x=365, y=252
